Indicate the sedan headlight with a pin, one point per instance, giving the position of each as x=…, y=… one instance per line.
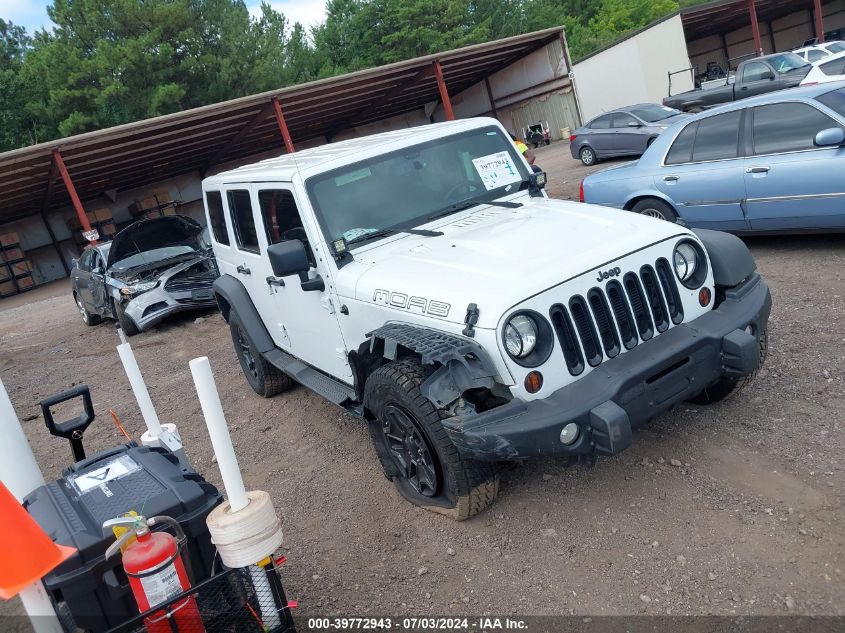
x=136, y=289
x=520, y=336
x=690, y=264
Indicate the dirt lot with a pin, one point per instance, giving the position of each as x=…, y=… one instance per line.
x=750, y=522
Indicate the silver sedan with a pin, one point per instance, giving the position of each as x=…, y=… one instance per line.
x=627, y=131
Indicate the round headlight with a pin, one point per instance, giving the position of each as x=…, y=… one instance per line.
x=520, y=336
x=685, y=260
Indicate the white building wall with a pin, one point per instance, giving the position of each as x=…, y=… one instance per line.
x=634, y=71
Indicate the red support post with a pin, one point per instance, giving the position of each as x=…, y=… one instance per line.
x=77, y=204
x=817, y=10
x=444, y=94
x=755, y=28
x=283, y=127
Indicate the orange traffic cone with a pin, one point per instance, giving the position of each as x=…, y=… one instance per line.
x=26, y=552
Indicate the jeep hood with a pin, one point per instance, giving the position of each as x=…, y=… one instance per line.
x=497, y=257
x=152, y=235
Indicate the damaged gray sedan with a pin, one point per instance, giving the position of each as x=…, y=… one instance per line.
x=150, y=270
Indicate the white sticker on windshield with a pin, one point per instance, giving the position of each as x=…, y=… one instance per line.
x=496, y=170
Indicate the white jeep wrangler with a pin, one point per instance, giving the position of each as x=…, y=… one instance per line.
x=422, y=280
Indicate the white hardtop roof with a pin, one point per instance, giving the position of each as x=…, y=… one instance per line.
x=308, y=162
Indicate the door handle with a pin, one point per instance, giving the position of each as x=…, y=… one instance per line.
x=760, y=169
x=671, y=178
x=243, y=270
x=275, y=281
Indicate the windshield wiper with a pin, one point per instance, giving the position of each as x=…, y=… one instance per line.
x=472, y=202
x=386, y=232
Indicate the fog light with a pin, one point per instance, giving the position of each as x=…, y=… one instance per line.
x=533, y=381
x=569, y=434
x=704, y=296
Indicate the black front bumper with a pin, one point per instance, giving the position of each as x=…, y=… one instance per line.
x=628, y=390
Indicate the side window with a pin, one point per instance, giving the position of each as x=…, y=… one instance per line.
x=815, y=55
x=681, y=150
x=281, y=217
x=772, y=136
x=717, y=137
x=835, y=67
x=240, y=210
x=214, y=203
x=620, y=119
x=97, y=262
x=754, y=71
x=602, y=123
x=86, y=259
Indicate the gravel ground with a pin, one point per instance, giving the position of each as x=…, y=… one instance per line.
x=732, y=509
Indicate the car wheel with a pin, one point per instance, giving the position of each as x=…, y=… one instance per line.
x=588, y=156
x=415, y=450
x=87, y=317
x=265, y=379
x=124, y=320
x=727, y=387
x=654, y=208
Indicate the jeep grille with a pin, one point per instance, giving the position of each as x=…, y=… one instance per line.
x=620, y=315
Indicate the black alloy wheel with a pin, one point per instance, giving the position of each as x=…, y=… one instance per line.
x=410, y=449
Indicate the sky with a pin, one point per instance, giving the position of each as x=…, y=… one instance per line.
x=32, y=14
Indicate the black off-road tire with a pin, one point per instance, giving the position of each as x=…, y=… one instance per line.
x=124, y=321
x=87, y=318
x=265, y=379
x=464, y=487
x=655, y=208
x=728, y=387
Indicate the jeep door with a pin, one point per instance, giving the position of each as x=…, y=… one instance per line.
x=304, y=322
x=702, y=173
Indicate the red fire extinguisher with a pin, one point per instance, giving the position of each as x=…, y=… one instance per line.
x=156, y=573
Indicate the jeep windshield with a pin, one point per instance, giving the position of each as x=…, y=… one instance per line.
x=394, y=192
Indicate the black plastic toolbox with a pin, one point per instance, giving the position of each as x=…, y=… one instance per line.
x=150, y=481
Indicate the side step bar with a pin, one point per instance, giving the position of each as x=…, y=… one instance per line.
x=326, y=386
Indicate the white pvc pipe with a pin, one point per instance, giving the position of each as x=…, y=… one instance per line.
x=18, y=468
x=139, y=388
x=266, y=601
x=20, y=473
x=215, y=420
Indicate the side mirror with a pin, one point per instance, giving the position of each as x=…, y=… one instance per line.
x=768, y=75
x=830, y=137
x=633, y=124
x=288, y=258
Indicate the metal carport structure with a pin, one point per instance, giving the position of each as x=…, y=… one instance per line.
x=144, y=152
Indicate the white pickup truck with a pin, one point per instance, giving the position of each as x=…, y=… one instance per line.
x=423, y=280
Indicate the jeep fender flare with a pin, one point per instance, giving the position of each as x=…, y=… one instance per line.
x=232, y=295
x=463, y=363
x=730, y=258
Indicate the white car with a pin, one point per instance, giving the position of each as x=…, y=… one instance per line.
x=817, y=52
x=826, y=70
x=422, y=280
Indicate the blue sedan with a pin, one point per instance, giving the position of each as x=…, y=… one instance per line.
x=765, y=164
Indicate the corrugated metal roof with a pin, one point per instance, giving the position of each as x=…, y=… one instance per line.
x=723, y=16
x=148, y=151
